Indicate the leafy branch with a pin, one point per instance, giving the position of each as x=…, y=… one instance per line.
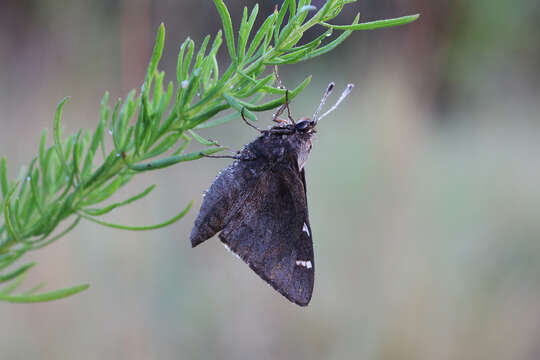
x=153, y=129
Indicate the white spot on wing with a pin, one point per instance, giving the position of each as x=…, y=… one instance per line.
x=306, y=230
x=307, y=264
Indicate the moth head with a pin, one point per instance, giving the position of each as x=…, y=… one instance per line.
x=305, y=126
x=316, y=118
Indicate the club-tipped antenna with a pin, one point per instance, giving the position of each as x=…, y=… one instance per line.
x=328, y=91
x=344, y=94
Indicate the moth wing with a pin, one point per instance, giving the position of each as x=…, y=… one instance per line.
x=271, y=233
x=225, y=195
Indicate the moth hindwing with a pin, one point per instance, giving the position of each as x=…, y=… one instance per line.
x=258, y=205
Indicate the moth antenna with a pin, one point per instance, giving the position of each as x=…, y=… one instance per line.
x=328, y=91
x=346, y=92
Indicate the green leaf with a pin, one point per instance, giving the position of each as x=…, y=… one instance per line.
x=34, y=289
x=47, y=177
x=142, y=127
x=292, y=8
x=235, y=103
x=109, y=189
x=141, y=228
x=25, y=197
x=208, y=67
x=166, y=162
x=12, y=275
x=202, y=50
x=42, y=161
x=163, y=146
x=42, y=297
x=107, y=209
x=213, y=93
x=312, y=44
x=105, y=110
x=285, y=34
x=187, y=60
x=301, y=6
x=180, y=73
x=75, y=154
x=202, y=140
x=189, y=92
x=196, y=120
x=154, y=60
x=7, y=215
x=259, y=36
x=57, y=141
x=158, y=90
x=220, y=121
x=3, y=177
x=280, y=17
x=227, y=27
x=245, y=30
x=121, y=132
x=56, y=237
x=10, y=258
x=322, y=13
x=275, y=103
x=332, y=45
x=8, y=289
x=258, y=85
x=376, y=24
x=182, y=147
x=34, y=187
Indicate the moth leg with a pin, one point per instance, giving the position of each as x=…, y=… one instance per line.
x=235, y=157
x=280, y=111
x=287, y=106
x=276, y=75
x=248, y=123
x=276, y=117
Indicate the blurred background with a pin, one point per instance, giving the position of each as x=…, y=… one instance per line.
x=423, y=191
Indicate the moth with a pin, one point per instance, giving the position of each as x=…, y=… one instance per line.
x=259, y=205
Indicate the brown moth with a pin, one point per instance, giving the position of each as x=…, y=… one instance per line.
x=259, y=206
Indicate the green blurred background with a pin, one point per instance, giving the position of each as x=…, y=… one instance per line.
x=423, y=191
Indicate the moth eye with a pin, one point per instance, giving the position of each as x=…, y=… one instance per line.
x=303, y=125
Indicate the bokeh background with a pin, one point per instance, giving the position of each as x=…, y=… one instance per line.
x=423, y=191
